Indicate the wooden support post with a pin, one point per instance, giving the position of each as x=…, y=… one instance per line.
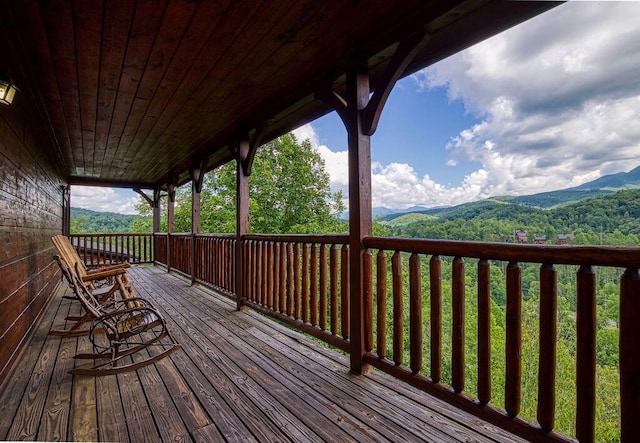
x=66, y=210
x=242, y=218
x=156, y=210
x=154, y=203
x=360, y=113
x=197, y=179
x=359, y=207
x=171, y=196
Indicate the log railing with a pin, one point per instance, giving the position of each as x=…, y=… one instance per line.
x=96, y=249
x=215, y=264
x=406, y=277
x=180, y=250
x=302, y=280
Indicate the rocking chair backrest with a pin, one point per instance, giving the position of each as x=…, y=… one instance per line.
x=68, y=253
x=89, y=303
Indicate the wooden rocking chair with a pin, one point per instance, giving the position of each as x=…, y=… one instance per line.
x=69, y=254
x=120, y=328
x=104, y=275
x=102, y=294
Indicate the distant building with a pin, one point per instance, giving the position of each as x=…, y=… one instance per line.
x=521, y=236
x=540, y=239
x=563, y=239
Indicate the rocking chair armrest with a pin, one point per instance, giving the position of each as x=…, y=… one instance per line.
x=100, y=275
x=102, y=268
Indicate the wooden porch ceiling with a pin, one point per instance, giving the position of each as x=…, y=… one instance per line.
x=133, y=91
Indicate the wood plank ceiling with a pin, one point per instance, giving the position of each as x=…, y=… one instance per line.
x=133, y=91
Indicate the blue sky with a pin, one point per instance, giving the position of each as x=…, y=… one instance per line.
x=549, y=104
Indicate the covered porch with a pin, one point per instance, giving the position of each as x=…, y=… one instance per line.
x=239, y=377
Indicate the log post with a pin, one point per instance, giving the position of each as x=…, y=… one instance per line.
x=66, y=210
x=156, y=210
x=171, y=225
x=197, y=171
x=359, y=146
x=245, y=153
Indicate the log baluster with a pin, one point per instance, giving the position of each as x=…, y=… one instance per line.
x=296, y=279
x=345, y=289
x=282, y=279
x=381, y=298
x=586, y=355
x=305, y=283
x=548, y=336
x=323, y=287
x=435, y=288
x=333, y=288
x=266, y=299
x=271, y=276
x=484, y=334
x=457, y=345
x=313, y=301
x=367, y=299
x=630, y=355
x=415, y=314
x=290, y=279
x=276, y=268
x=396, y=275
x=513, y=340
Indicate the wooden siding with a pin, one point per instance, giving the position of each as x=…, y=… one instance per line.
x=30, y=213
x=239, y=377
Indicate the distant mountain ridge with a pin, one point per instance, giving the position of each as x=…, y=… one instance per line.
x=601, y=187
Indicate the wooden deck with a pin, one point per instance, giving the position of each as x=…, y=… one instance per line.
x=240, y=377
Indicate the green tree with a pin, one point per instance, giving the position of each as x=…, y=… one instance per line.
x=288, y=189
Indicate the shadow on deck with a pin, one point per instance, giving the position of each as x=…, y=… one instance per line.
x=239, y=377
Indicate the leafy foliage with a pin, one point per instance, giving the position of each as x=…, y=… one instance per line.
x=84, y=221
x=611, y=220
x=288, y=189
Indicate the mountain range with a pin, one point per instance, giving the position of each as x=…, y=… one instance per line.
x=603, y=186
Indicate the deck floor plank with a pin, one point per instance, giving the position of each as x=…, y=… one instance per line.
x=55, y=419
x=351, y=397
x=239, y=377
x=14, y=391
x=238, y=387
x=28, y=416
x=284, y=390
x=336, y=405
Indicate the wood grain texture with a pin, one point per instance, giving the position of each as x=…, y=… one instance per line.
x=30, y=213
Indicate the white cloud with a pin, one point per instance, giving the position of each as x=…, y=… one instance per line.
x=102, y=199
x=558, y=97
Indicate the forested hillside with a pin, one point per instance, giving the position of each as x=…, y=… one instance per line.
x=84, y=221
x=613, y=219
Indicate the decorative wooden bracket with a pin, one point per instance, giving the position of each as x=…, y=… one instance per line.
x=146, y=197
x=246, y=152
x=337, y=102
x=370, y=114
x=171, y=188
x=197, y=172
x=156, y=197
x=406, y=51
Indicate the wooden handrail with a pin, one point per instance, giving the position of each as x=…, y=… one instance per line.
x=622, y=257
x=304, y=280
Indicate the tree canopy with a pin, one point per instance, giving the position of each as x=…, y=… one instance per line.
x=288, y=188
